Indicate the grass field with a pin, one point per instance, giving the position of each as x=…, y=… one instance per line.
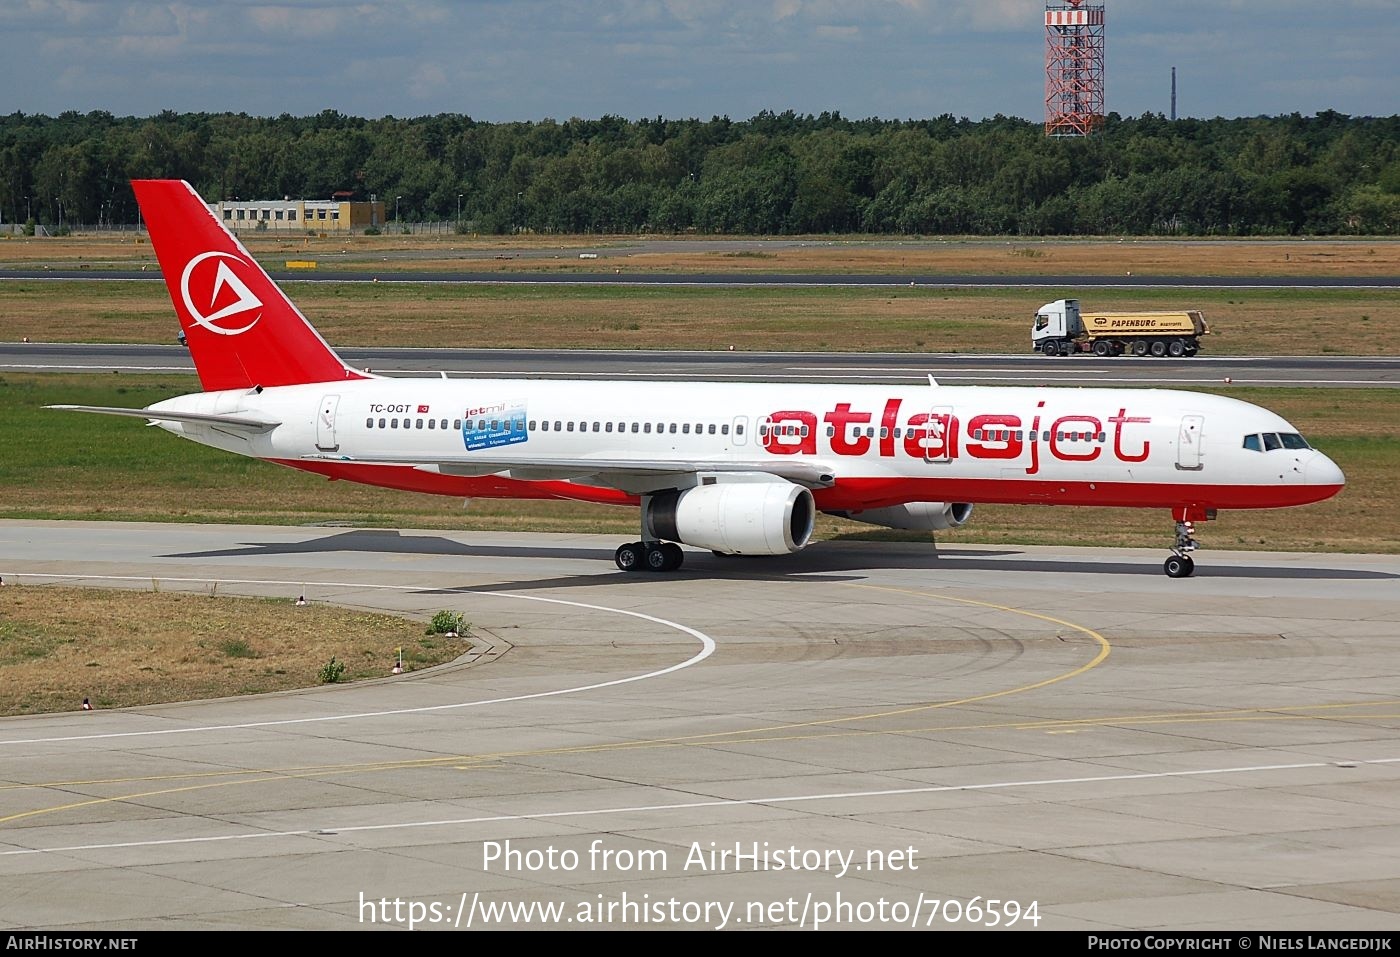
x=841, y=319
x=66, y=465
x=124, y=649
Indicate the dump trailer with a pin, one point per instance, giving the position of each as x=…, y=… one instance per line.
x=1061, y=329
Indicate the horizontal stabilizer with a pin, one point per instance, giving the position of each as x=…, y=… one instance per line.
x=251, y=421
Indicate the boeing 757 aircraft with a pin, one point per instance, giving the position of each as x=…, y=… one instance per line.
x=740, y=469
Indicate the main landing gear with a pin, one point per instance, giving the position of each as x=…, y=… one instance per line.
x=1180, y=564
x=649, y=557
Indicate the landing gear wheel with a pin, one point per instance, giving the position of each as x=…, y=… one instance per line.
x=629, y=556
x=663, y=557
x=1179, y=566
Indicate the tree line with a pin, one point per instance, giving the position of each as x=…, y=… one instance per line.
x=776, y=173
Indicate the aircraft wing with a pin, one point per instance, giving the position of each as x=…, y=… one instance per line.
x=249, y=421
x=628, y=475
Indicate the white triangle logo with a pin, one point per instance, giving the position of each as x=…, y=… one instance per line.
x=224, y=279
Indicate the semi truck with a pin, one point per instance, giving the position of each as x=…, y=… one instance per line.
x=1061, y=329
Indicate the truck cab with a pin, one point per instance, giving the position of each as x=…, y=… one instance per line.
x=1057, y=326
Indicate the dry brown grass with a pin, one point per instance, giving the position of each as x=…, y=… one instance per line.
x=392, y=253
x=1288, y=322
x=127, y=649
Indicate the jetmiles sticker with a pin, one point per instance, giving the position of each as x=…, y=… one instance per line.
x=492, y=426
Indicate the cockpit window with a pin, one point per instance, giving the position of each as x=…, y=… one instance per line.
x=1269, y=441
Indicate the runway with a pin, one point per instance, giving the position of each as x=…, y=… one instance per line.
x=878, y=731
x=618, y=278
x=901, y=368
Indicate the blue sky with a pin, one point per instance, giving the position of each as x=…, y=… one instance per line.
x=530, y=59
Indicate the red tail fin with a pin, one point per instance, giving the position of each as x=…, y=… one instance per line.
x=241, y=330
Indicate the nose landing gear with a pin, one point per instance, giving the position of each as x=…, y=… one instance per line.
x=1181, y=564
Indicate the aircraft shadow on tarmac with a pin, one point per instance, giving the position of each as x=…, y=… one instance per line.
x=821, y=558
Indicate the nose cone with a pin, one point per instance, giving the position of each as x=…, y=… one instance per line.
x=1323, y=473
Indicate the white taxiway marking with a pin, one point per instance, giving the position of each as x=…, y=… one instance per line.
x=707, y=648
x=693, y=805
x=189, y=367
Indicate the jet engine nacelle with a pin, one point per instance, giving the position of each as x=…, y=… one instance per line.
x=769, y=517
x=915, y=516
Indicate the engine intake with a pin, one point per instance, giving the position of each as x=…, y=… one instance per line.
x=736, y=517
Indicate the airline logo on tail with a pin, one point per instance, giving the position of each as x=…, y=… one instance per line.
x=215, y=284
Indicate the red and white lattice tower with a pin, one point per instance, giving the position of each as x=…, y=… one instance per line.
x=1074, y=73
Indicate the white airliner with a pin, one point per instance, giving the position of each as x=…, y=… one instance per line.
x=740, y=469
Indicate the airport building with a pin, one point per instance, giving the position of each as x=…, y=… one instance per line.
x=301, y=215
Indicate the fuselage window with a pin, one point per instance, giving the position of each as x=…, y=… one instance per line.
x=393, y=423
x=686, y=428
x=673, y=428
x=381, y=423
x=738, y=430
x=635, y=427
x=646, y=427
x=724, y=430
x=595, y=426
x=457, y=425
x=1271, y=442
x=432, y=423
x=571, y=426
x=544, y=426
x=444, y=425
x=712, y=428
x=608, y=428
x=369, y=423
x=419, y=423
x=558, y=426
